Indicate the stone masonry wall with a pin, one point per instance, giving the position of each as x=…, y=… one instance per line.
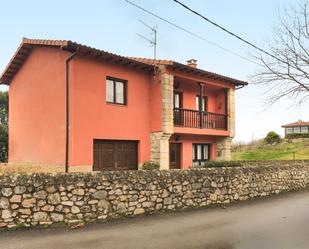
x=231, y=112
x=159, y=141
x=42, y=199
x=159, y=149
x=223, y=149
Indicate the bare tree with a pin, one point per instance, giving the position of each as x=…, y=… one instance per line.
x=287, y=71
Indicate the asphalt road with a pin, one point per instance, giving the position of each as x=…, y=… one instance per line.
x=278, y=222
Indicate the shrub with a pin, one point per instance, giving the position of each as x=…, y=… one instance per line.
x=3, y=126
x=149, y=165
x=272, y=137
x=297, y=136
x=220, y=164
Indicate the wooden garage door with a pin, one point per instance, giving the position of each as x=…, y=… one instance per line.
x=114, y=155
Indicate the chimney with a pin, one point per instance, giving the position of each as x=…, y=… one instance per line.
x=192, y=63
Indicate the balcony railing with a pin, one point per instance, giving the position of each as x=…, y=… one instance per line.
x=199, y=119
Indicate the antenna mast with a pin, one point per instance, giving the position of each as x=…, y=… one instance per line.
x=153, y=42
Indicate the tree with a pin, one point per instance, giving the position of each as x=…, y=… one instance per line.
x=272, y=137
x=3, y=126
x=287, y=72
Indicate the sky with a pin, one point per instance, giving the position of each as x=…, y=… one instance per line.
x=113, y=25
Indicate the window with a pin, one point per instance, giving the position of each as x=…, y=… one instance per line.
x=204, y=103
x=200, y=154
x=177, y=100
x=304, y=130
x=289, y=130
x=296, y=130
x=116, y=91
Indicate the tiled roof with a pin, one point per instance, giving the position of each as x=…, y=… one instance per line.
x=26, y=46
x=152, y=61
x=144, y=64
x=296, y=124
x=191, y=70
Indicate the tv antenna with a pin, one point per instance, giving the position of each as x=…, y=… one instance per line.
x=152, y=41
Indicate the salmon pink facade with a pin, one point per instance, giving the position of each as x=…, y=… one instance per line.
x=78, y=107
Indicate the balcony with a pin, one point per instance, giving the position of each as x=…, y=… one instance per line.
x=199, y=119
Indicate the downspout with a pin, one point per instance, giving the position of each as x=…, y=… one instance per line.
x=67, y=109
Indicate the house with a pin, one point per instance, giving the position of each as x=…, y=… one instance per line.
x=297, y=129
x=82, y=108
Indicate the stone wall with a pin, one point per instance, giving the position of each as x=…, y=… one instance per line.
x=43, y=199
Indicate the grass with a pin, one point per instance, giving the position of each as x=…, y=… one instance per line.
x=28, y=168
x=282, y=151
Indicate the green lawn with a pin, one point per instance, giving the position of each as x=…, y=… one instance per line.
x=282, y=151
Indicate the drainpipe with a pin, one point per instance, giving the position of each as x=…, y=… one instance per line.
x=67, y=109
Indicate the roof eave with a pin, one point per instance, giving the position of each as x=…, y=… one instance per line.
x=26, y=46
x=66, y=45
x=196, y=71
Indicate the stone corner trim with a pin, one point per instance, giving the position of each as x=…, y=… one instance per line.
x=223, y=149
x=42, y=199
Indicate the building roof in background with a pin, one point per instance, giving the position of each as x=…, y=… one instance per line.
x=296, y=124
x=25, y=48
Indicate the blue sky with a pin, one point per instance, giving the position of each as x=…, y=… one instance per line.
x=113, y=25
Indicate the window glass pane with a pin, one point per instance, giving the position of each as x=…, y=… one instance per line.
x=197, y=102
x=109, y=91
x=203, y=104
x=297, y=130
x=199, y=152
x=176, y=100
x=289, y=130
x=205, y=152
x=304, y=130
x=119, y=92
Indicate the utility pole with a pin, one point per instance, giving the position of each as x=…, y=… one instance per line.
x=152, y=41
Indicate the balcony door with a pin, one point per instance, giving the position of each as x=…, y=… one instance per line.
x=177, y=99
x=204, y=106
x=177, y=108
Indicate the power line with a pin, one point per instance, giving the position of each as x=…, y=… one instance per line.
x=227, y=31
x=190, y=32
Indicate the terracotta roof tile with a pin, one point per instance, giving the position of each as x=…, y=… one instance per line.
x=295, y=124
x=138, y=63
x=26, y=46
x=187, y=69
x=152, y=61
